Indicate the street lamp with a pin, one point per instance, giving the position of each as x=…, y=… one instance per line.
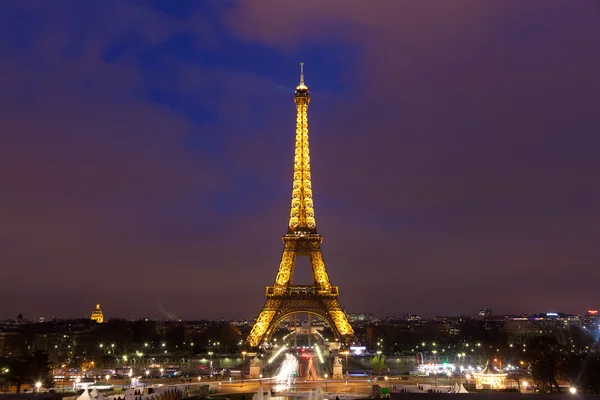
x=326, y=376
x=107, y=377
x=147, y=373
x=243, y=364
x=161, y=372
x=38, y=385
x=130, y=380
x=525, y=383
x=260, y=380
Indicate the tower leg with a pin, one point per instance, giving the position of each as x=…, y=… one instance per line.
x=309, y=329
x=263, y=322
x=295, y=331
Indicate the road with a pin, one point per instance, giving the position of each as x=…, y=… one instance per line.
x=353, y=385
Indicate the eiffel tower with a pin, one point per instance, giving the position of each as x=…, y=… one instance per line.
x=301, y=239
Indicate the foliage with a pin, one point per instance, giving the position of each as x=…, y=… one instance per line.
x=40, y=369
x=378, y=363
x=545, y=354
x=15, y=372
x=583, y=371
x=32, y=369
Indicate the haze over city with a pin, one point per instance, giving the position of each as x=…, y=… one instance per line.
x=146, y=154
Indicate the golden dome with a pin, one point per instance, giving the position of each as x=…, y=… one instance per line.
x=97, y=315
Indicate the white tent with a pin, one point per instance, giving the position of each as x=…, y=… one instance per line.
x=129, y=393
x=85, y=396
x=455, y=389
x=462, y=389
x=94, y=393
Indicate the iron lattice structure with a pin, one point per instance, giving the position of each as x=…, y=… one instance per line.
x=301, y=239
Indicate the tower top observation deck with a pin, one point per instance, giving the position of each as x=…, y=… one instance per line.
x=302, y=89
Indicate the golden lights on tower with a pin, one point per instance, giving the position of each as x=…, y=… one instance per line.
x=97, y=315
x=301, y=239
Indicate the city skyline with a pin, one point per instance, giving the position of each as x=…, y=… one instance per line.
x=164, y=315
x=146, y=155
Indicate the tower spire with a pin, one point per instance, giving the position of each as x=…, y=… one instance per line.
x=302, y=213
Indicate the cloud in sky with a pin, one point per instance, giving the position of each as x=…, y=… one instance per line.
x=146, y=153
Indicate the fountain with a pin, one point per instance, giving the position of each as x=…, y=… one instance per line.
x=286, y=372
x=259, y=395
x=318, y=393
x=286, y=375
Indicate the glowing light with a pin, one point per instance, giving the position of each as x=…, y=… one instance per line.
x=572, y=390
x=319, y=354
x=281, y=350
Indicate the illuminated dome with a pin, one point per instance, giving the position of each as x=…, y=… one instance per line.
x=97, y=315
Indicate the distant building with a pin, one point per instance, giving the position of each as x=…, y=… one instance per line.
x=591, y=321
x=97, y=315
x=519, y=328
x=485, y=313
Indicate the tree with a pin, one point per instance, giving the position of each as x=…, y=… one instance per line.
x=545, y=355
x=378, y=363
x=583, y=371
x=40, y=369
x=32, y=369
x=15, y=372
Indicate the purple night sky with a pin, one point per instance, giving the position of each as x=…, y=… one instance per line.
x=146, y=153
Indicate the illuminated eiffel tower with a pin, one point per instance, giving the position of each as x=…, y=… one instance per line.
x=301, y=239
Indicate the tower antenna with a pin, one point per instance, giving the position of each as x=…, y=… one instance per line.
x=302, y=73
